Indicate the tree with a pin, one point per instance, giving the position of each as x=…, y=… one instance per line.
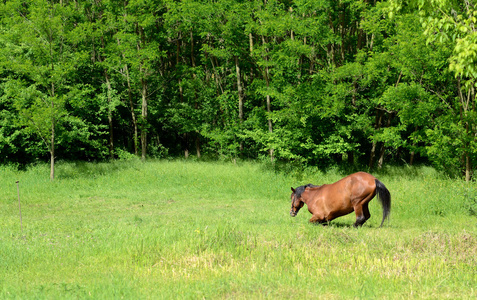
x=36, y=49
x=451, y=24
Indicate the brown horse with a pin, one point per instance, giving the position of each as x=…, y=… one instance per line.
x=352, y=193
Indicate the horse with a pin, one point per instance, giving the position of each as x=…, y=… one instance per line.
x=330, y=201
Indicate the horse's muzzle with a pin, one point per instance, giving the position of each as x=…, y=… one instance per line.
x=293, y=213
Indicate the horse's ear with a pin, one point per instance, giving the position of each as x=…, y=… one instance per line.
x=293, y=190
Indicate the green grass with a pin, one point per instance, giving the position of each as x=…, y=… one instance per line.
x=191, y=230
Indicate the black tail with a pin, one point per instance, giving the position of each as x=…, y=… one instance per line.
x=384, y=197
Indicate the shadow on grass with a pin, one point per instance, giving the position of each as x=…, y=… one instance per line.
x=341, y=224
x=79, y=169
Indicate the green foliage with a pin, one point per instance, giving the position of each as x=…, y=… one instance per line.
x=303, y=82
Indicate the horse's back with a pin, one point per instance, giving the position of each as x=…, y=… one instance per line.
x=345, y=190
x=362, y=177
x=350, y=189
x=352, y=181
x=362, y=184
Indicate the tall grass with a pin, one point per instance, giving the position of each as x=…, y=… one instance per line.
x=188, y=230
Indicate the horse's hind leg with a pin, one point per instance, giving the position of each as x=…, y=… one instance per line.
x=360, y=218
x=366, y=213
x=362, y=214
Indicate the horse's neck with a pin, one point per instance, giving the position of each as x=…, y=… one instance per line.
x=310, y=193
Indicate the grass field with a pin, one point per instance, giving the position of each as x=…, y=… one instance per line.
x=193, y=230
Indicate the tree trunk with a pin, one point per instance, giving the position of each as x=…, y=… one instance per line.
x=270, y=125
x=467, y=167
x=464, y=107
x=181, y=93
x=196, y=103
x=342, y=30
x=381, y=156
x=383, y=146
x=240, y=96
x=52, y=145
x=52, y=138
x=411, y=160
x=197, y=145
x=250, y=40
x=131, y=108
x=186, y=145
x=143, y=119
x=266, y=75
x=143, y=73
x=52, y=161
x=110, y=112
x=110, y=115
x=131, y=103
x=379, y=116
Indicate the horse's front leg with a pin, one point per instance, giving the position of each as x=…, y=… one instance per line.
x=318, y=219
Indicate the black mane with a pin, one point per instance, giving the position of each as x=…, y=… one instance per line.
x=299, y=190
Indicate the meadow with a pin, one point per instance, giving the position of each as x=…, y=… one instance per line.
x=194, y=230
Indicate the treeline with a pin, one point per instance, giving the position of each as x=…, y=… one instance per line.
x=315, y=82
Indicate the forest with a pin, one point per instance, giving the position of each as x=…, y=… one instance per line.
x=319, y=83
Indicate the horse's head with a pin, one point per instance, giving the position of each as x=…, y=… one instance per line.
x=296, y=201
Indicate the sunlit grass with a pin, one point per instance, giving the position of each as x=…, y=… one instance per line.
x=175, y=229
